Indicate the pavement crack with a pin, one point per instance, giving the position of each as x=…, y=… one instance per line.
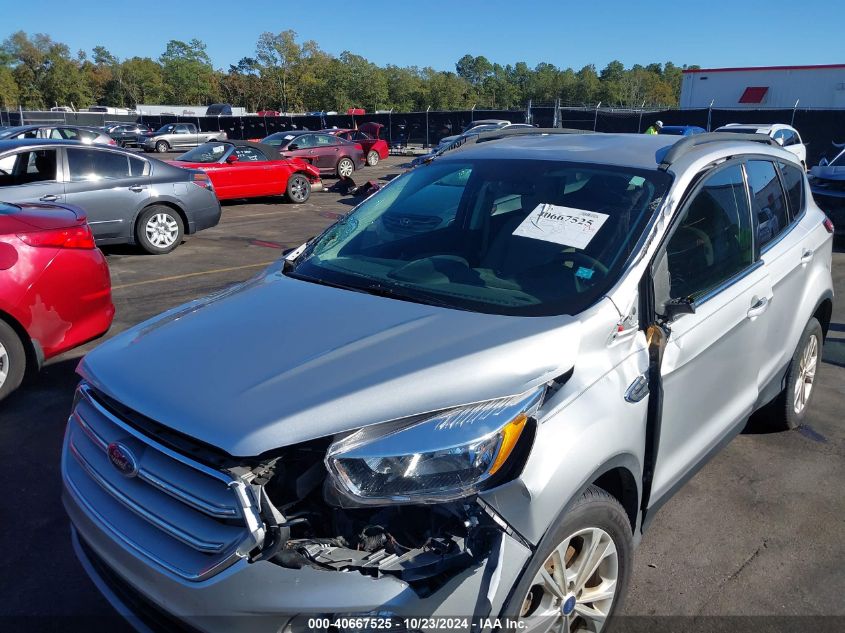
x=734, y=574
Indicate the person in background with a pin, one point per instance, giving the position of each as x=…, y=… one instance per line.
x=655, y=129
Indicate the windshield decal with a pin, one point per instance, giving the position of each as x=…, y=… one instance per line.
x=561, y=225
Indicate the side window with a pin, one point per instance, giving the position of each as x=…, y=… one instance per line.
x=138, y=167
x=305, y=141
x=711, y=242
x=67, y=133
x=28, y=167
x=325, y=139
x=92, y=164
x=249, y=154
x=767, y=200
x=793, y=182
x=181, y=129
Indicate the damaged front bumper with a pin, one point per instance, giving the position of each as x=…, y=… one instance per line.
x=265, y=596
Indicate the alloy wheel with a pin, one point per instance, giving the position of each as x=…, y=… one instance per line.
x=162, y=230
x=575, y=587
x=4, y=364
x=345, y=168
x=372, y=159
x=298, y=189
x=806, y=374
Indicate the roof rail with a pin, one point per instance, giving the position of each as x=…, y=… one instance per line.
x=688, y=143
x=494, y=135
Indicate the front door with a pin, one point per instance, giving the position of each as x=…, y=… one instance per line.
x=110, y=186
x=711, y=360
x=31, y=175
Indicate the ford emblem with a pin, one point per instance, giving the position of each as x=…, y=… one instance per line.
x=123, y=459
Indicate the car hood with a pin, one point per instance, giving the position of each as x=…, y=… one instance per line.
x=828, y=172
x=276, y=361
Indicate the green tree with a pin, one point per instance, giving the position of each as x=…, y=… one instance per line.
x=188, y=75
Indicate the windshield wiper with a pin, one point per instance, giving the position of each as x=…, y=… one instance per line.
x=390, y=292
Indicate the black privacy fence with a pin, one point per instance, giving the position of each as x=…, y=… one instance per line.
x=819, y=129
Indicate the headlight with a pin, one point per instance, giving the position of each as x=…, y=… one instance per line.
x=436, y=458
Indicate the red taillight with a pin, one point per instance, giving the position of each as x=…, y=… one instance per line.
x=112, y=141
x=828, y=224
x=359, y=146
x=71, y=237
x=201, y=179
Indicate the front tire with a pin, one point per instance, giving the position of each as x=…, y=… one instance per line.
x=160, y=229
x=298, y=189
x=345, y=168
x=578, y=577
x=790, y=408
x=162, y=147
x=12, y=360
x=372, y=158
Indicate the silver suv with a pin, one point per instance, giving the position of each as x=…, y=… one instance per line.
x=468, y=398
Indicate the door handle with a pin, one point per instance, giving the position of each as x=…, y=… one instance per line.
x=638, y=389
x=49, y=198
x=136, y=188
x=807, y=256
x=758, y=308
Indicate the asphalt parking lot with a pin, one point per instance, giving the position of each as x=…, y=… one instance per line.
x=759, y=531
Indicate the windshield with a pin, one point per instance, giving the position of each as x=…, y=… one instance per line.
x=279, y=138
x=839, y=161
x=516, y=237
x=206, y=153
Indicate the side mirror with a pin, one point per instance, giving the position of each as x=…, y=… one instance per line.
x=293, y=147
x=678, y=307
x=232, y=158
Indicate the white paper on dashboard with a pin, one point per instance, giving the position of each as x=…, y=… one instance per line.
x=562, y=225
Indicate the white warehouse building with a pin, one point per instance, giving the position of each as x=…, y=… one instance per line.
x=765, y=87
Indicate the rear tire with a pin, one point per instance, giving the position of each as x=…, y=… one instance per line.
x=345, y=168
x=159, y=229
x=298, y=189
x=790, y=407
x=162, y=147
x=372, y=158
x=12, y=360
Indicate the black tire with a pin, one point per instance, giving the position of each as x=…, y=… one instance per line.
x=594, y=509
x=784, y=414
x=372, y=158
x=344, y=165
x=12, y=360
x=298, y=189
x=162, y=147
x=168, y=242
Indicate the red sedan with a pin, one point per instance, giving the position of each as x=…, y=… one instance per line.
x=242, y=169
x=55, y=290
x=375, y=148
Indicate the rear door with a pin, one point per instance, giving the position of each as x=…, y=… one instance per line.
x=711, y=361
x=111, y=187
x=784, y=248
x=31, y=175
x=327, y=151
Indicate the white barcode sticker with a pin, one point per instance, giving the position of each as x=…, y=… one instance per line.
x=562, y=225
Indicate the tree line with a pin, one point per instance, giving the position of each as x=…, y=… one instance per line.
x=38, y=72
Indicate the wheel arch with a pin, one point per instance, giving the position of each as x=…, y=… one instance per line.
x=34, y=359
x=824, y=312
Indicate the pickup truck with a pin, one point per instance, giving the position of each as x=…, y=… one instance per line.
x=178, y=136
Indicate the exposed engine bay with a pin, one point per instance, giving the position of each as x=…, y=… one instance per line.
x=309, y=523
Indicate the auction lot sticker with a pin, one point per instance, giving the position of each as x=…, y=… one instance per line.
x=561, y=225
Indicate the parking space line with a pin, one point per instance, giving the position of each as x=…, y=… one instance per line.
x=186, y=275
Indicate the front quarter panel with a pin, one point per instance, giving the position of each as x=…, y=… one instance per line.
x=584, y=430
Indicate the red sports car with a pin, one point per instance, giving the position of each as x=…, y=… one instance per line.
x=367, y=136
x=55, y=290
x=242, y=169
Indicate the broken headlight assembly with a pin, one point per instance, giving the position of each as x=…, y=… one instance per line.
x=433, y=458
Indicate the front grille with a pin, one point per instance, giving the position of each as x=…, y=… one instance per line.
x=185, y=517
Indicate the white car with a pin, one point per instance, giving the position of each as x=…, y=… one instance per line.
x=784, y=134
